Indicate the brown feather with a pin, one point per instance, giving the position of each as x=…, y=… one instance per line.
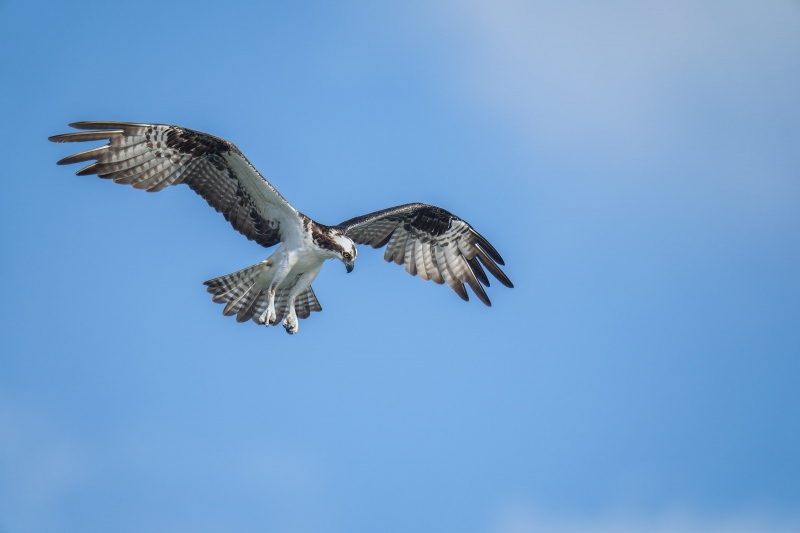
x=80, y=136
x=88, y=155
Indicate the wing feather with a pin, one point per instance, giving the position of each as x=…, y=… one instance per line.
x=419, y=257
x=436, y=273
x=395, y=250
x=94, y=153
x=79, y=136
x=128, y=175
x=477, y=269
x=474, y=284
x=448, y=274
x=166, y=179
x=146, y=179
x=410, y=257
x=431, y=268
x=433, y=244
x=493, y=268
x=152, y=157
x=87, y=170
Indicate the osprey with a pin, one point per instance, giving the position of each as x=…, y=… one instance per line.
x=431, y=242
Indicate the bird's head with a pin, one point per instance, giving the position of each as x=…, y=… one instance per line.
x=342, y=248
x=348, y=252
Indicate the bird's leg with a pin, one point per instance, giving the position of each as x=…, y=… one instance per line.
x=290, y=322
x=282, y=269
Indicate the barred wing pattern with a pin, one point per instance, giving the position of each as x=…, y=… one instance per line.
x=154, y=156
x=246, y=298
x=432, y=243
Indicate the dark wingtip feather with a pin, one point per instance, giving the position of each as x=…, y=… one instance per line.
x=88, y=155
x=101, y=125
x=81, y=136
x=488, y=248
x=494, y=269
x=477, y=269
x=87, y=170
x=477, y=288
x=474, y=284
x=461, y=291
x=503, y=278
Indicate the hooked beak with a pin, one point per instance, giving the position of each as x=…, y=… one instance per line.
x=349, y=266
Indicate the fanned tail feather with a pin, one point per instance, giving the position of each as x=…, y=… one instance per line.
x=244, y=294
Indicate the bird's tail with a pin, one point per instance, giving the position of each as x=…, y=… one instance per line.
x=244, y=294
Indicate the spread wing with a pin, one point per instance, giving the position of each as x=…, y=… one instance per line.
x=154, y=156
x=433, y=243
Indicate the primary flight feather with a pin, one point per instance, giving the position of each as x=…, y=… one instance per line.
x=429, y=241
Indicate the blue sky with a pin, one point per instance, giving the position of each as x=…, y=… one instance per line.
x=636, y=164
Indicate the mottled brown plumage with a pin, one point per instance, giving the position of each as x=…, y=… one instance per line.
x=154, y=156
x=431, y=242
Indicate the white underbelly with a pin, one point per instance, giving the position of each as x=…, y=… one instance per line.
x=304, y=262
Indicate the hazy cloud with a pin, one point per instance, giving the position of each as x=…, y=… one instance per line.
x=522, y=519
x=614, y=74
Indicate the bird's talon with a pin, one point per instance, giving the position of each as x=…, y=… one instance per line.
x=291, y=325
x=268, y=317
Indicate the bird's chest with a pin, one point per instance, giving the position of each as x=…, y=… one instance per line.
x=306, y=261
x=307, y=258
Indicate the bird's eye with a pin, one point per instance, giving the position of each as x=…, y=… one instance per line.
x=346, y=255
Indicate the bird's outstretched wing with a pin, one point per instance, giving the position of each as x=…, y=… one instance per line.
x=433, y=243
x=154, y=156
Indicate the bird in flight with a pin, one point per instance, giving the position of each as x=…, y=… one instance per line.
x=431, y=242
